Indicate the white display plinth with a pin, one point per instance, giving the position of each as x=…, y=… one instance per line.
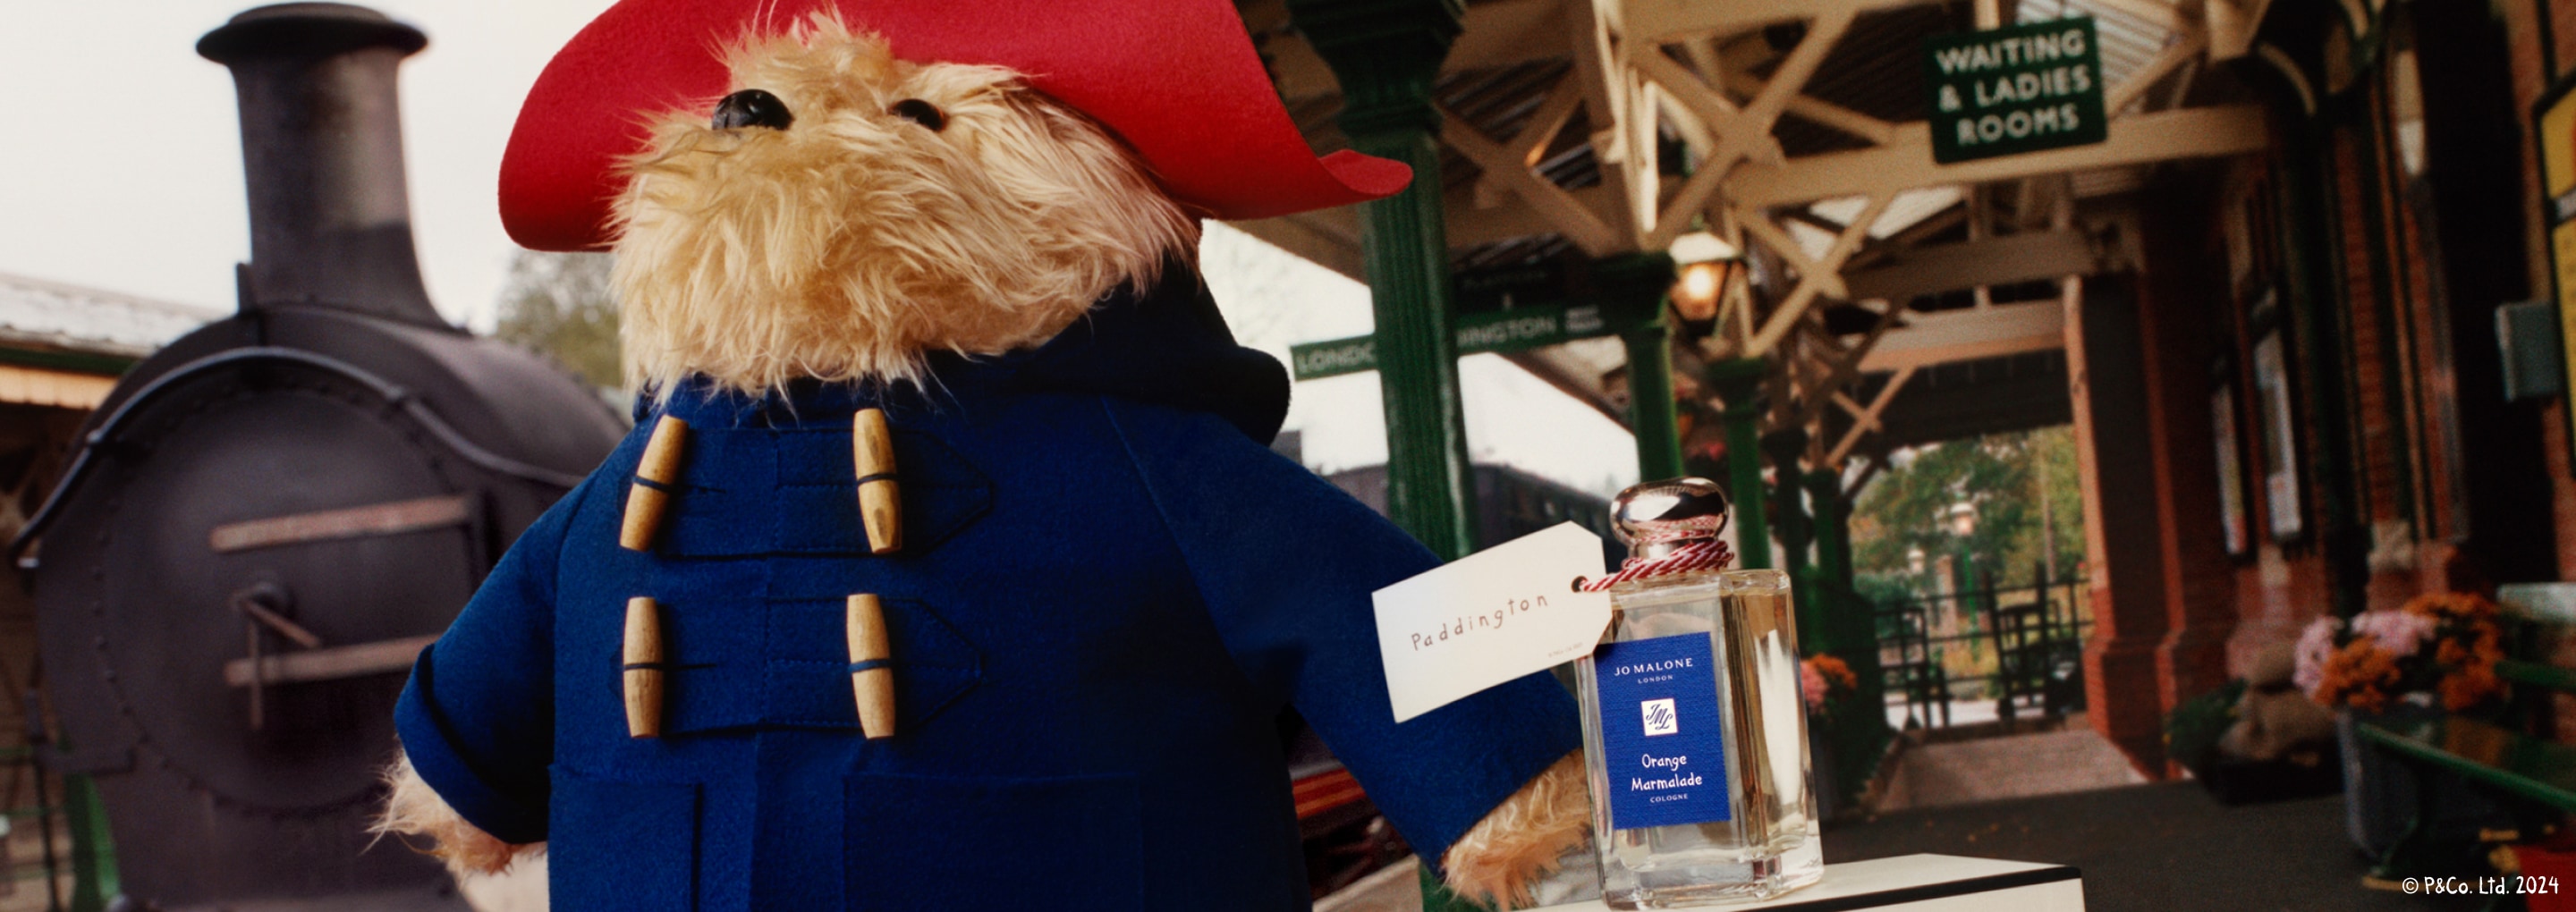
x=1921, y=883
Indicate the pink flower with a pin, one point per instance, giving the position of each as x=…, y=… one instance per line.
x=2401, y=633
x=2316, y=645
x=1811, y=683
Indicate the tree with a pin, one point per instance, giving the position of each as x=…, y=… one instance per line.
x=2023, y=488
x=559, y=305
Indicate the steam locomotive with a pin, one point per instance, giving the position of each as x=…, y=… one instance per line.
x=267, y=520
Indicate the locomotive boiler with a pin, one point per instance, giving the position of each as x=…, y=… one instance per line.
x=268, y=519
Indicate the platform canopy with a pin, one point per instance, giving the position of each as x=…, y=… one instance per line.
x=1799, y=132
x=63, y=346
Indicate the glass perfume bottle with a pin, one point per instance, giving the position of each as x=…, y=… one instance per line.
x=1694, y=731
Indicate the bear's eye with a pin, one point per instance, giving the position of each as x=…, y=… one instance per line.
x=920, y=112
x=752, y=108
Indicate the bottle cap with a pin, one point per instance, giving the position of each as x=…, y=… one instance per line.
x=1657, y=518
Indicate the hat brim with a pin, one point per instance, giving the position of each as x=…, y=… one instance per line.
x=1179, y=82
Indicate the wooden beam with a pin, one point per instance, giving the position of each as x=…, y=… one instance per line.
x=1686, y=87
x=1821, y=112
x=1562, y=101
x=1862, y=419
x=1470, y=226
x=1606, y=89
x=1506, y=32
x=2182, y=84
x=1812, y=283
x=2136, y=85
x=2232, y=24
x=1877, y=463
x=1665, y=21
x=1967, y=335
x=1912, y=236
x=1748, y=134
x=1865, y=420
x=1561, y=209
x=1846, y=362
x=2150, y=12
x=1907, y=163
x=1995, y=261
x=1492, y=34
x=1780, y=242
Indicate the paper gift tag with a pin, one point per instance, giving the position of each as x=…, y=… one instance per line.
x=1489, y=617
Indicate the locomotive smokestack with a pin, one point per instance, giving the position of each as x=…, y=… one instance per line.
x=330, y=222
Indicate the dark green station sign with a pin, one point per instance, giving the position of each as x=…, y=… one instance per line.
x=2011, y=90
x=1501, y=331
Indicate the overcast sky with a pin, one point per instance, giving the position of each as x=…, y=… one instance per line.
x=123, y=165
x=122, y=171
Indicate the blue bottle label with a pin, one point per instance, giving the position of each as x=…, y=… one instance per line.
x=1662, y=739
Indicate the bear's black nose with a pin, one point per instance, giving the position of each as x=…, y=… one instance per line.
x=752, y=108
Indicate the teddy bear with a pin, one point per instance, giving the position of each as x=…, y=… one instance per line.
x=947, y=565
x=2275, y=720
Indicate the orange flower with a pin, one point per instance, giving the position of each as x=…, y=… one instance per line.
x=2365, y=674
x=2469, y=687
x=1836, y=670
x=2452, y=605
x=2369, y=662
x=2358, y=675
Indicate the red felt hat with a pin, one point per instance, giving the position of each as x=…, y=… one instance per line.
x=1176, y=79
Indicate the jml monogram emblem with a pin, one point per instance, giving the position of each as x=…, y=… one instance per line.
x=1660, y=717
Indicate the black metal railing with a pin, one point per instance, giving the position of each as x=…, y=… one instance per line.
x=1944, y=655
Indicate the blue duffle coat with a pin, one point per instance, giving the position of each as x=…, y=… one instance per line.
x=1108, y=590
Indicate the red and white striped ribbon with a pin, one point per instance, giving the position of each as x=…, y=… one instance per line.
x=1707, y=555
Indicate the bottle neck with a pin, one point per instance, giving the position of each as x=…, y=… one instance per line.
x=1646, y=551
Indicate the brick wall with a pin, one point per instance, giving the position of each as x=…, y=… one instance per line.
x=2359, y=203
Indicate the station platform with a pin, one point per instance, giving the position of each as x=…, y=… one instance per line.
x=2142, y=848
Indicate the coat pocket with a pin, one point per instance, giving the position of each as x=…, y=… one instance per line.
x=1063, y=844
x=628, y=846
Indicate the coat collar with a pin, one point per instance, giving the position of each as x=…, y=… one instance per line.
x=1165, y=345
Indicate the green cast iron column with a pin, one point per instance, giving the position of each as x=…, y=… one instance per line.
x=1739, y=383
x=1847, y=627
x=1797, y=535
x=1789, y=516
x=1386, y=52
x=1633, y=289
x=1833, y=525
x=94, y=880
